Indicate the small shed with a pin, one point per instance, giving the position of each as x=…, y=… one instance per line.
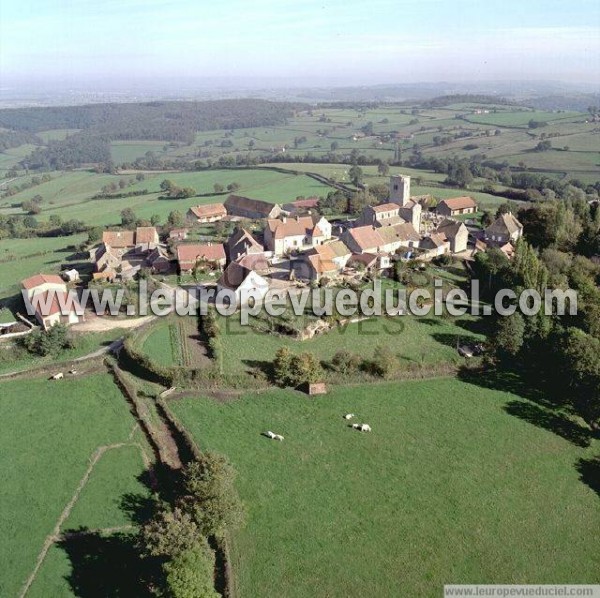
x=315, y=388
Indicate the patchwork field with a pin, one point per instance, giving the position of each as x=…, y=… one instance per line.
x=448, y=488
x=49, y=434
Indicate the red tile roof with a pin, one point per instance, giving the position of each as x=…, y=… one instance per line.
x=366, y=237
x=119, y=238
x=209, y=210
x=40, y=279
x=459, y=203
x=191, y=253
x=386, y=207
x=145, y=235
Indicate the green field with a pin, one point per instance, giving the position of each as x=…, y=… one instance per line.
x=20, y=258
x=49, y=432
x=448, y=488
x=162, y=343
x=415, y=340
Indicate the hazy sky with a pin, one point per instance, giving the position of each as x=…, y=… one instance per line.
x=350, y=41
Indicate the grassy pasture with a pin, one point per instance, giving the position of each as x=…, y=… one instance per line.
x=56, y=134
x=158, y=344
x=415, y=340
x=128, y=151
x=520, y=119
x=448, y=488
x=48, y=438
x=20, y=258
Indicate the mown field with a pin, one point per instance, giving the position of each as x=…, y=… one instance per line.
x=448, y=488
x=49, y=432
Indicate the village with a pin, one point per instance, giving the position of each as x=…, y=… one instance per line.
x=283, y=246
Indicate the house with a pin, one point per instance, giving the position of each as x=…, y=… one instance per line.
x=301, y=206
x=435, y=244
x=203, y=214
x=52, y=302
x=387, y=214
x=243, y=283
x=145, y=237
x=320, y=261
x=401, y=235
x=370, y=262
x=455, y=233
x=455, y=206
x=341, y=253
x=288, y=234
x=158, y=260
x=241, y=243
x=188, y=255
x=505, y=229
x=255, y=209
x=178, y=234
x=363, y=239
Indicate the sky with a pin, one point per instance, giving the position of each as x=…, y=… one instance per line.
x=335, y=41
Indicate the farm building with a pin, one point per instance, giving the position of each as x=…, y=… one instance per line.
x=435, y=244
x=178, y=234
x=318, y=262
x=203, y=214
x=145, y=237
x=455, y=206
x=188, y=255
x=50, y=301
x=297, y=233
x=255, y=209
x=302, y=206
x=387, y=214
x=241, y=243
x=506, y=228
x=455, y=233
x=242, y=282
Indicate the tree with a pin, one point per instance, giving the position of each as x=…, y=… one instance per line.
x=509, y=335
x=167, y=185
x=176, y=219
x=383, y=169
x=191, y=573
x=48, y=342
x=582, y=367
x=218, y=188
x=210, y=496
x=128, y=218
x=282, y=366
x=233, y=187
x=168, y=534
x=155, y=219
x=334, y=146
x=486, y=218
x=95, y=234
x=356, y=175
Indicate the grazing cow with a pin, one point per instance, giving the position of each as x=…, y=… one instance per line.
x=73, y=372
x=271, y=435
x=362, y=427
x=58, y=376
x=349, y=416
x=278, y=437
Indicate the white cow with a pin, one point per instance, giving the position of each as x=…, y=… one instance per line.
x=278, y=437
x=73, y=372
x=362, y=427
x=349, y=416
x=58, y=376
x=274, y=436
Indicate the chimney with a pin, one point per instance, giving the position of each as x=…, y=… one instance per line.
x=284, y=219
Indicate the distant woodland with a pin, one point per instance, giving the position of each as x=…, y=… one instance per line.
x=99, y=124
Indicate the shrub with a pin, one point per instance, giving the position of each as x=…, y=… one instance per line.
x=46, y=342
x=346, y=362
x=190, y=574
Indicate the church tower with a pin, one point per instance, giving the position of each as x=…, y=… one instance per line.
x=399, y=189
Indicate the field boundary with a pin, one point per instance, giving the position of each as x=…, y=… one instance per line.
x=56, y=535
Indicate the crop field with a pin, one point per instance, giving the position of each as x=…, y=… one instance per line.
x=415, y=340
x=520, y=119
x=421, y=501
x=163, y=344
x=49, y=435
